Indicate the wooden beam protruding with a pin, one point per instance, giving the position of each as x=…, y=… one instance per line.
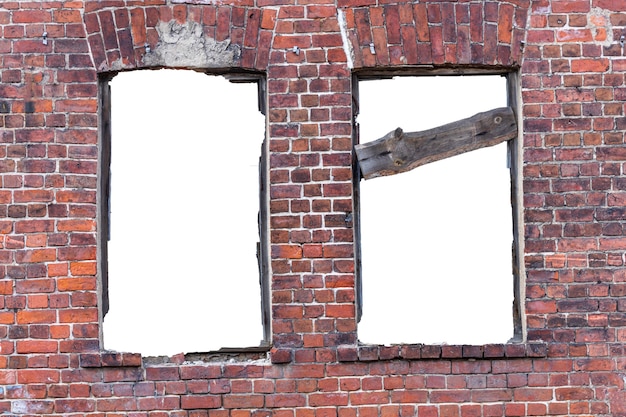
x=400, y=151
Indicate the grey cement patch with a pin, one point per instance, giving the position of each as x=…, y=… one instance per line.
x=185, y=45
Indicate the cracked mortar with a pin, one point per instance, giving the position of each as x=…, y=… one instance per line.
x=185, y=45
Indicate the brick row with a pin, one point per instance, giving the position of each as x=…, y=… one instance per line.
x=435, y=33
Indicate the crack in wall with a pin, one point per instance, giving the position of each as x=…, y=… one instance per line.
x=347, y=46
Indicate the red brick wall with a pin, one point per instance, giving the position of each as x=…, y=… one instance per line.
x=572, y=87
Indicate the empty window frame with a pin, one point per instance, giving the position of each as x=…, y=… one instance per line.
x=438, y=252
x=182, y=212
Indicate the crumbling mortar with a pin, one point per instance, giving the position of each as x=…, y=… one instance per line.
x=601, y=15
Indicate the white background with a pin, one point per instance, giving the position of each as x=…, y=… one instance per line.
x=183, y=274
x=436, y=241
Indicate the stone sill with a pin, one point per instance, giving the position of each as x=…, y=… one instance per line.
x=364, y=353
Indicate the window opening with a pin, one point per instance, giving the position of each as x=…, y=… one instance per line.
x=183, y=259
x=436, y=242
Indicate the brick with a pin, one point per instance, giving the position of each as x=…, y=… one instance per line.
x=364, y=398
x=31, y=16
x=35, y=286
x=78, y=315
x=570, y=7
x=36, y=346
x=243, y=401
x=590, y=65
x=31, y=317
x=36, y=255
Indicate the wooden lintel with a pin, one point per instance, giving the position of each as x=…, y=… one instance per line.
x=400, y=151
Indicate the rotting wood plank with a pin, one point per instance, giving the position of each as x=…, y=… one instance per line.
x=400, y=151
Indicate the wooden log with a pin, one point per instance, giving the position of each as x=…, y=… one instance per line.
x=400, y=151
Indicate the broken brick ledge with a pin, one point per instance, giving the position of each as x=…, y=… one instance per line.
x=109, y=359
x=365, y=353
x=350, y=353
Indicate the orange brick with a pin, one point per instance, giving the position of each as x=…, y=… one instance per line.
x=57, y=270
x=31, y=317
x=78, y=315
x=37, y=255
x=287, y=251
x=76, y=225
x=60, y=331
x=38, y=240
x=76, y=284
x=590, y=65
x=268, y=20
x=7, y=317
x=6, y=287
x=37, y=301
x=37, y=376
x=83, y=268
x=36, y=346
x=574, y=35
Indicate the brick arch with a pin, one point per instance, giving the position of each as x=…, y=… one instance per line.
x=474, y=33
x=227, y=36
